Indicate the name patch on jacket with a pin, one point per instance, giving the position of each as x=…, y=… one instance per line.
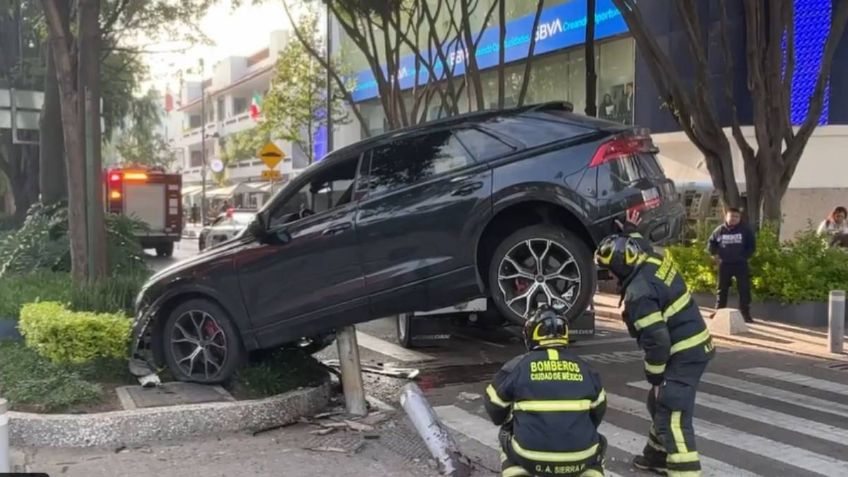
x=730, y=239
x=555, y=371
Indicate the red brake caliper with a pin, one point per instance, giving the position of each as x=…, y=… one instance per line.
x=211, y=328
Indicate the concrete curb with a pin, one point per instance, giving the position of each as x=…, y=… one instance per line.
x=142, y=426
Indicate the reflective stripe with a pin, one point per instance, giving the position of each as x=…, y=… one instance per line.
x=553, y=355
x=677, y=306
x=654, y=368
x=690, y=342
x=636, y=235
x=591, y=473
x=514, y=471
x=683, y=458
x=646, y=321
x=656, y=446
x=683, y=473
x=493, y=396
x=554, y=456
x=558, y=341
x=677, y=432
x=553, y=406
x=653, y=260
x=504, y=457
x=602, y=396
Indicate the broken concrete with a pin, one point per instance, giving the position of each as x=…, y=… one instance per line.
x=727, y=322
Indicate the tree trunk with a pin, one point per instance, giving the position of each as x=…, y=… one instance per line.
x=89, y=82
x=501, y=53
x=52, y=171
x=591, y=76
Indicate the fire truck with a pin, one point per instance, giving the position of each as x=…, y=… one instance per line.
x=152, y=196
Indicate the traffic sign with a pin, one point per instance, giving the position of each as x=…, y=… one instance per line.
x=271, y=174
x=271, y=155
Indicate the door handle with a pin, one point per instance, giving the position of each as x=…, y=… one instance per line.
x=468, y=188
x=337, y=229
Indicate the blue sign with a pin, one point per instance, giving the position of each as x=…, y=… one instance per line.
x=559, y=27
x=812, y=26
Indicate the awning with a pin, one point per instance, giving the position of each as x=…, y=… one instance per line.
x=191, y=190
x=230, y=191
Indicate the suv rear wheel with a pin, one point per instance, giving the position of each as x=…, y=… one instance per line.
x=541, y=264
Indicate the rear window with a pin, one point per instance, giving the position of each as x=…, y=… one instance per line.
x=533, y=132
x=621, y=173
x=482, y=146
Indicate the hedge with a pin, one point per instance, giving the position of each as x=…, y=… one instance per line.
x=800, y=270
x=65, y=336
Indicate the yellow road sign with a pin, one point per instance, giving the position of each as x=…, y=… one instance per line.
x=271, y=174
x=271, y=155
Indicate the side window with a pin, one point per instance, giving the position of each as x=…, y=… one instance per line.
x=411, y=160
x=483, y=146
x=330, y=188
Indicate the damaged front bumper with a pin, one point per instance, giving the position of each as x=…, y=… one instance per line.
x=142, y=363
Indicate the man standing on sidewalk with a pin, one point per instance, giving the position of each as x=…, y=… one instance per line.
x=732, y=244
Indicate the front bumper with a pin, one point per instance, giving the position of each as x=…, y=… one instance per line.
x=142, y=363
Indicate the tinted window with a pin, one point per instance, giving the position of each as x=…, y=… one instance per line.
x=331, y=188
x=533, y=132
x=482, y=146
x=411, y=160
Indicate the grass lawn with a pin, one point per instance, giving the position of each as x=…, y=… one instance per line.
x=275, y=372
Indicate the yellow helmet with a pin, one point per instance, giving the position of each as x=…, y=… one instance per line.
x=619, y=254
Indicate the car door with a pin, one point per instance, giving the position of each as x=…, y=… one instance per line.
x=423, y=197
x=304, y=276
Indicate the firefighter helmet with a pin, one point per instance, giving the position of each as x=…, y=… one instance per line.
x=545, y=328
x=619, y=254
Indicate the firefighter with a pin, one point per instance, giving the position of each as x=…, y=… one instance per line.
x=549, y=404
x=667, y=324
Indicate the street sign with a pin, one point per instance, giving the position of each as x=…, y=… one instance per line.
x=271, y=175
x=271, y=155
x=217, y=165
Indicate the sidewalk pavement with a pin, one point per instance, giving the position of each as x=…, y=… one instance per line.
x=763, y=333
x=280, y=452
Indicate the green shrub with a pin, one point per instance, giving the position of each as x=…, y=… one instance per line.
x=277, y=372
x=803, y=269
x=65, y=336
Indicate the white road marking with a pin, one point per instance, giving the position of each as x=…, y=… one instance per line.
x=777, y=394
x=757, y=445
x=390, y=349
x=799, y=379
x=478, y=428
x=767, y=416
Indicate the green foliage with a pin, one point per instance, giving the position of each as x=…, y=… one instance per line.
x=42, y=243
x=65, y=336
x=139, y=142
x=243, y=145
x=277, y=372
x=803, y=269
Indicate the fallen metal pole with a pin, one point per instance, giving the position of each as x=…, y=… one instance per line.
x=351, y=369
x=436, y=436
x=836, y=319
x=5, y=465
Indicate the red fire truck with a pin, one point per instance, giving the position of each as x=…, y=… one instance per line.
x=152, y=196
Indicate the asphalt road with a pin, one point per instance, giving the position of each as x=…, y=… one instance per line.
x=183, y=249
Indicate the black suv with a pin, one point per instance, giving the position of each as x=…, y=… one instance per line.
x=507, y=204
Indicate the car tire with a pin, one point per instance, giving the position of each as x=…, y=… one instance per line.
x=568, y=257
x=165, y=250
x=203, y=324
x=404, y=330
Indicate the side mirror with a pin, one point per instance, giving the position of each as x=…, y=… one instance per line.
x=256, y=228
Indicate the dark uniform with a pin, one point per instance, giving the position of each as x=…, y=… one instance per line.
x=661, y=314
x=549, y=404
x=734, y=245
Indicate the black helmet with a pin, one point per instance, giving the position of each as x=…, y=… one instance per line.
x=619, y=254
x=545, y=328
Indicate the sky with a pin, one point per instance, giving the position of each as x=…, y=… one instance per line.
x=239, y=32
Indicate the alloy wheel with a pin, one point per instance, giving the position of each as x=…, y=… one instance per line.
x=198, y=344
x=538, y=271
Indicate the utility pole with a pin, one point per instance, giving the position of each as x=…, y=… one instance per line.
x=591, y=76
x=329, y=47
x=202, y=145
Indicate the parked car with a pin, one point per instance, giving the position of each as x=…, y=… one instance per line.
x=225, y=227
x=507, y=204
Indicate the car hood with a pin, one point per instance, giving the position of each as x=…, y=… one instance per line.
x=199, y=259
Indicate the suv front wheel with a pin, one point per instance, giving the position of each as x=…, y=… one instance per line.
x=542, y=264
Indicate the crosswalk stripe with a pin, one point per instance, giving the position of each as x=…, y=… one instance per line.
x=799, y=379
x=761, y=446
x=777, y=394
x=767, y=416
x=478, y=428
x=390, y=349
x=633, y=443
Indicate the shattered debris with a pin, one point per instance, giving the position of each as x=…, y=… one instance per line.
x=402, y=373
x=466, y=396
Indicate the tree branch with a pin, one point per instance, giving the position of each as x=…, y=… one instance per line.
x=528, y=63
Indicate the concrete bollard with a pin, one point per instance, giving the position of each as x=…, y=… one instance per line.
x=5, y=465
x=836, y=320
x=354, y=391
x=436, y=436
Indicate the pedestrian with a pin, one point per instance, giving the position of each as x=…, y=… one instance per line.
x=835, y=227
x=549, y=404
x=195, y=213
x=732, y=244
x=667, y=324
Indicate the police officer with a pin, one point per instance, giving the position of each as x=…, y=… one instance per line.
x=549, y=404
x=661, y=315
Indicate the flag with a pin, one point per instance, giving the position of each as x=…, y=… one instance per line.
x=255, y=106
x=169, y=100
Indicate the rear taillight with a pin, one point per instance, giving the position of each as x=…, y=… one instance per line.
x=621, y=146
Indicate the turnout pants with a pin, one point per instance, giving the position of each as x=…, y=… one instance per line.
x=513, y=465
x=742, y=274
x=671, y=441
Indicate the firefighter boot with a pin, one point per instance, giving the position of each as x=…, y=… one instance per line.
x=651, y=460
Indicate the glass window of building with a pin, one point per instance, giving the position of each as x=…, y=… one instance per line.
x=616, y=71
x=239, y=106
